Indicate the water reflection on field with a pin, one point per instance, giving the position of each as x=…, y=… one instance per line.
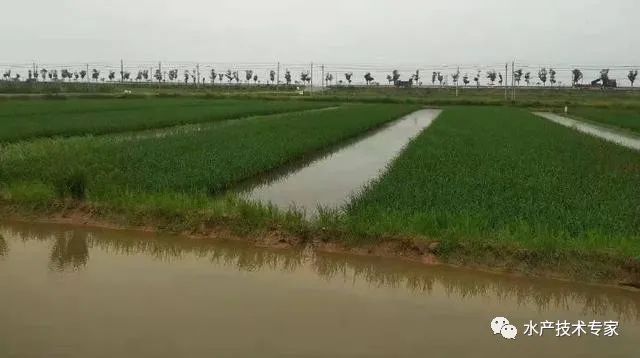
x=74, y=292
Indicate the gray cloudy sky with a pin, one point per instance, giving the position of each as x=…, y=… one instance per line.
x=325, y=31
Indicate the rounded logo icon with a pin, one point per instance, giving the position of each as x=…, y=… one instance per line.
x=497, y=324
x=509, y=331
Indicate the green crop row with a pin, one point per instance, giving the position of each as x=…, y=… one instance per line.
x=203, y=160
x=503, y=175
x=27, y=119
x=627, y=119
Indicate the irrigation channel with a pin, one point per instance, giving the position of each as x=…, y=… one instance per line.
x=610, y=135
x=82, y=292
x=330, y=181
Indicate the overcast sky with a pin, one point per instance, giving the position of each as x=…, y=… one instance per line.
x=325, y=31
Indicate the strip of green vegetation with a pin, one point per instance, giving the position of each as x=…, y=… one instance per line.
x=490, y=175
x=21, y=119
x=628, y=119
x=204, y=160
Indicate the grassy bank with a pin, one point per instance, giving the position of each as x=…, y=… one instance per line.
x=21, y=119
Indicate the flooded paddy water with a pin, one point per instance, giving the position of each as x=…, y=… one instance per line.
x=78, y=292
x=330, y=181
x=610, y=135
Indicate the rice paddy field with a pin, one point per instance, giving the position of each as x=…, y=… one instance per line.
x=27, y=119
x=481, y=180
x=504, y=176
x=204, y=159
x=626, y=119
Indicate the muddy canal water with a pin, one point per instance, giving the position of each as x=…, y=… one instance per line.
x=329, y=182
x=70, y=292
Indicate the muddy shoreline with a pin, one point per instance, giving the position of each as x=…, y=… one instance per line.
x=415, y=250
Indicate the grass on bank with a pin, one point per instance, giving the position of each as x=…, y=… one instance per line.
x=20, y=119
x=503, y=177
x=205, y=160
x=626, y=119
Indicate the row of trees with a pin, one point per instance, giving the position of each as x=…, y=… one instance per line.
x=193, y=76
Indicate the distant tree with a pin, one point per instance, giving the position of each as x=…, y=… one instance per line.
x=348, y=76
x=17, y=77
x=272, y=76
x=440, y=78
x=255, y=79
x=54, y=75
x=416, y=76
x=305, y=77
x=476, y=79
x=220, y=77
x=287, y=77
x=576, y=76
x=248, y=75
x=368, y=78
x=43, y=72
x=157, y=75
x=126, y=76
x=236, y=76
x=83, y=74
x=517, y=76
x=395, y=76
x=30, y=75
x=186, y=76
x=194, y=76
x=465, y=79
x=112, y=75
x=632, y=76
x=139, y=76
x=434, y=76
x=145, y=75
x=500, y=78
x=76, y=75
x=527, y=78
x=389, y=78
x=604, y=76
x=95, y=74
x=552, y=76
x=213, y=75
x=542, y=75
x=492, y=75
x=455, y=77
x=6, y=75
x=329, y=78
x=229, y=75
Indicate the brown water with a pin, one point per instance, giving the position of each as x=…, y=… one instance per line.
x=329, y=182
x=69, y=292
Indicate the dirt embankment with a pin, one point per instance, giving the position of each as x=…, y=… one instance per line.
x=594, y=268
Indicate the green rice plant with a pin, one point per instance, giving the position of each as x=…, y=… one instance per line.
x=502, y=176
x=205, y=160
x=627, y=119
x=21, y=119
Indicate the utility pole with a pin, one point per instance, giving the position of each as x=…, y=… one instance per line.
x=311, y=74
x=121, y=71
x=513, y=81
x=197, y=75
x=457, y=79
x=506, y=80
